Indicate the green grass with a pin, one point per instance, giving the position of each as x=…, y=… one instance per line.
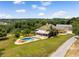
x=37, y=48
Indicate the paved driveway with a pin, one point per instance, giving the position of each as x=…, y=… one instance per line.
x=61, y=51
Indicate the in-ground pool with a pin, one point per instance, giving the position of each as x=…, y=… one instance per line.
x=28, y=38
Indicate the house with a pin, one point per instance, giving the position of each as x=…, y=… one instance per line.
x=64, y=29
x=44, y=30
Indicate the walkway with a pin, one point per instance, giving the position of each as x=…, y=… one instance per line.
x=61, y=51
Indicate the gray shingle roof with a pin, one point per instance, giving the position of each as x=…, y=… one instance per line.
x=63, y=27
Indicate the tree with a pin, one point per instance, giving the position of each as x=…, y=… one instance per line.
x=75, y=24
x=52, y=32
x=17, y=35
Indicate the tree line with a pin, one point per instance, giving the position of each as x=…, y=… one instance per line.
x=25, y=26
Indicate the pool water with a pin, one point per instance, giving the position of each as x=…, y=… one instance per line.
x=27, y=38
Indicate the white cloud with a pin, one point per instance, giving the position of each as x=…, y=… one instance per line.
x=21, y=11
x=41, y=14
x=8, y=16
x=34, y=6
x=43, y=5
x=60, y=13
x=5, y=16
x=18, y=2
x=39, y=7
x=46, y=3
x=42, y=8
x=68, y=17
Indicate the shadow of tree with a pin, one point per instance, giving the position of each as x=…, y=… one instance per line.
x=1, y=51
x=3, y=38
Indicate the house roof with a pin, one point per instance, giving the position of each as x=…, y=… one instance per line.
x=42, y=32
x=46, y=27
x=61, y=27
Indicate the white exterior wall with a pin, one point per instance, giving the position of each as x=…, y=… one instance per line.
x=69, y=32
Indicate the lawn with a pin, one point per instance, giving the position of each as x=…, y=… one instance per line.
x=37, y=48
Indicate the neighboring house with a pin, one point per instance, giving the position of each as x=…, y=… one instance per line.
x=64, y=29
x=44, y=30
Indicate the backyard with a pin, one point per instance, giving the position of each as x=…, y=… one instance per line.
x=38, y=48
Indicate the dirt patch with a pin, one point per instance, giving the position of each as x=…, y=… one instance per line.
x=73, y=50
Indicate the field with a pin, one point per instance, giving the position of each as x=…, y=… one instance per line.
x=37, y=48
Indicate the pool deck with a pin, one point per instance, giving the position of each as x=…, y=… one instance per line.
x=35, y=38
x=17, y=43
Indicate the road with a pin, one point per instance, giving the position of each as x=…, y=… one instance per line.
x=61, y=51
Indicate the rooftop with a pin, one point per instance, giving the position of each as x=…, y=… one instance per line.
x=63, y=26
x=46, y=27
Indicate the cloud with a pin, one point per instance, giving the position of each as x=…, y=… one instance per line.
x=5, y=16
x=18, y=2
x=21, y=11
x=60, y=13
x=41, y=14
x=68, y=17
x=42, y=8
x=46, y=3
x=34, y=6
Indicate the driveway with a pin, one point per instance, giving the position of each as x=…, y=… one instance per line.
x=61, y=51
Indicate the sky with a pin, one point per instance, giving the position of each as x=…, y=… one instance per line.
x=39, y=9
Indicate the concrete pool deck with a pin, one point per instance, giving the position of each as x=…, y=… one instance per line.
x=19, y=43
x=35, y=38
x=61, y=51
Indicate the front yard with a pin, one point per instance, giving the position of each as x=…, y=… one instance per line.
x=38, y=48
